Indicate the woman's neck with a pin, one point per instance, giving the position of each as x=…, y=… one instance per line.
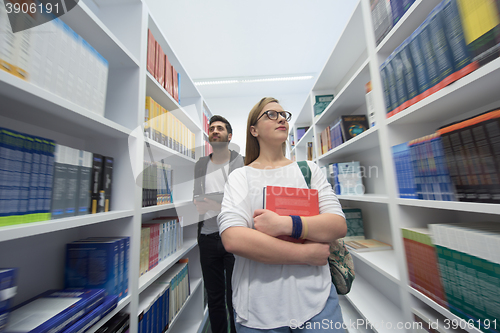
x=270, y=158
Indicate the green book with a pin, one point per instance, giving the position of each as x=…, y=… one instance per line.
x=354, y=220
x=322, y=101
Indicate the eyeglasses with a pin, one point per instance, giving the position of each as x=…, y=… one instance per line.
x=273, y=115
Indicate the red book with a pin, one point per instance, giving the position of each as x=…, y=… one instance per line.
x=175, y=88
x=151, y=59
x=161, y=66
x=287, y=201
x=157, y=60
x=168, y=76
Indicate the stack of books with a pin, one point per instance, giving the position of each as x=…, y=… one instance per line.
x=8, y=288
x=67, y=310
x=119, y=323
x=342, y=130
x=455, y=39
x=346, y=178
x=385, y=14
x=469, y=268
x=53, y=57
x=162, y=126
x=159, y=66
x=160, y=238
x=156, y=184
x=422, y=263
x=161, y=302
x=113, y=256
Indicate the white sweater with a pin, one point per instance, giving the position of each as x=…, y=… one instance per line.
x=269, y=296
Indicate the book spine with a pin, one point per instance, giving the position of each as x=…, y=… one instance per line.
x=46, y=169
x=419, y=65
x=97, y=164
x=105, y=186
x=60, y=182
x=398, y=67
x=492, y=130
x=94, y=316
x=391, y=80
x=462, y=61
x=430, y=58
x=71, y=162
x=84, y=184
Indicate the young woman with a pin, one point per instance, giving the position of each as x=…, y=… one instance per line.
x=278, y=286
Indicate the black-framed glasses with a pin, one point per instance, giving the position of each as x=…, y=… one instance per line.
x=273, y=115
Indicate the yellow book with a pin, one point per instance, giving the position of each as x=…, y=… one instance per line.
x=365, y=245
x=147, y=116
x=163, y=125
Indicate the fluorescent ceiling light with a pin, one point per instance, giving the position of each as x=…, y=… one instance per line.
x=253, y=79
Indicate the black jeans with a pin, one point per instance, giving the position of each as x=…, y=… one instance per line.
x=215, y=260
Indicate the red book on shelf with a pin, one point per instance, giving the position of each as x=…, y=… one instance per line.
x=151, y=59
x=287, y=201
x=168, y=76
x=161, y=66
x=175, y=85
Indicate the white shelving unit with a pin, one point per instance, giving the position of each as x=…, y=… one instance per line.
x=118, y=31
x=381, y=289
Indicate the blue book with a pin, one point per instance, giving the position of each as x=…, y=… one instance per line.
x=404, y=171
x=402, y=91
x=334, y=176
x=91, y=318
x=124, y=246
x=406, y=4
x=419, y=66
x=461, y=57
x=440, y=45
x=431, y=62
x=385, y=85
x=26, y=151
x=53, y=310
x=408, y=73
x=8, y=283
x=93, y=264
x=46, y=178
x=446, y=185
x=36, y=181
x=393, y=92
x=60, y=182
x=11, y=161
x=397, y=11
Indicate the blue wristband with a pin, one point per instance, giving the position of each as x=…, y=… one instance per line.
x=297, y=226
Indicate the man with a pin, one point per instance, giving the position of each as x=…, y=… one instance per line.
x=211, y=174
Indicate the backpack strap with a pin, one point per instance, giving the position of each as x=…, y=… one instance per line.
x=306, y=172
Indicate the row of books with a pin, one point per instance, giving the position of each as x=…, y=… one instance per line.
x=99, y=263
x=459, y=162
x=163, y=127
x=345, y=178
x=454, y=40
x=342, y=130
x=162, y=70
x=457, y=266
x=355, y=239
x=53, y=57
x=8, y=288
x=161, y=302
x=41, y=180
x=61, y=311
x=157, y=183
x=205, y=119
x=160, y=238
x=385, y=14
x=421, y=170
x=207, y=148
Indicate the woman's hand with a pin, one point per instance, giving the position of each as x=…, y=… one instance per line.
x=272, y=224
x=316, y=254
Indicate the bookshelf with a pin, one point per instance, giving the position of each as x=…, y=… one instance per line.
x=381, y=289
x=118, y=31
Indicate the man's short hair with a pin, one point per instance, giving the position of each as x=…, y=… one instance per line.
x=224, y=120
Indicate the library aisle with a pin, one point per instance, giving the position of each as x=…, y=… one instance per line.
x=101, y=127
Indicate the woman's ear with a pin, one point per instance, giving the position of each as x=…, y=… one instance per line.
x=253, y=131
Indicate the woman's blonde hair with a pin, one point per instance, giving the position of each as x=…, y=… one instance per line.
x=252, y=149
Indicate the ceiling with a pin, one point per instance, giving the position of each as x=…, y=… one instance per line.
x=228, y=38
